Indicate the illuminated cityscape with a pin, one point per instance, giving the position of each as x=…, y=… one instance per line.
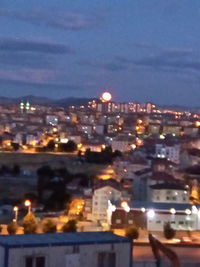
x=99, y=133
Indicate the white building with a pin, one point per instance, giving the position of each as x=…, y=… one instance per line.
x=153, y=216
x=99, y=129
x=170, y=152
x=52, y=120
x=106, y=190
x=70, y=249
x=87, y=129
x=169, y=193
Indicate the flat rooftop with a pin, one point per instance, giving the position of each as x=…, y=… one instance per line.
x=60, y=239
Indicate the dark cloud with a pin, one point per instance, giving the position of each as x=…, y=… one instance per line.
x=39, y=86
x=113, y=65
x=174, y=59
x=19, y=45
x=31, y=54
x=29, y=60
x=53, y=18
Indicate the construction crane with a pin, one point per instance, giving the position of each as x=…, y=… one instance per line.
x=158, y=247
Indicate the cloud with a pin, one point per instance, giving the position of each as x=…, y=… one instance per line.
x=38, y=76
x=145, y=46
x=113, y=65
x=31, y=53
x=64, y=20
x=20, y=45
x=37, y=79
x=172, y=59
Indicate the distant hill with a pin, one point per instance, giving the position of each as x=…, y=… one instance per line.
x=35, y=100
x=74, y=101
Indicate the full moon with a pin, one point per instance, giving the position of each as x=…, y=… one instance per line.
x=106, y=97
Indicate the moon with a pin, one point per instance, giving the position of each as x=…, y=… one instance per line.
x=106, y=97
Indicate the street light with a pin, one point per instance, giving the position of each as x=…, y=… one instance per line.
x=126, y=208
x=151, y=214
x=15, y=209
x=27, y=203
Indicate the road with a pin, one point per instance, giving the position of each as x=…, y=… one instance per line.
x=189, y=254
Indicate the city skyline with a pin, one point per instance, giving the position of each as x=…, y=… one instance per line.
x=138, y=50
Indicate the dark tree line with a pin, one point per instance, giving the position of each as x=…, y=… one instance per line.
x=54, y=182
x=7, y=170
x=70, y=146
x=106, y=156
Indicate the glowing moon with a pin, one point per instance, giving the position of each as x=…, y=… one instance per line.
x=106, y=97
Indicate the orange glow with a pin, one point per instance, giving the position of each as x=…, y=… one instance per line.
x=27, y=203
x=106, y=97
x=140, y=121
x=139, y=142
x=197, y=123
x=124, y=204
x=15, y=208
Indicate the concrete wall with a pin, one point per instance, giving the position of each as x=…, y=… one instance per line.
x=2, y=253
x=56, y=256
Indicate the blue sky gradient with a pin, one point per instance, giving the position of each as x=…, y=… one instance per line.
x=140, y=50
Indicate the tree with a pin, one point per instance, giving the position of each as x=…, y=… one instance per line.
x=70, y=146
x=132, y=232
x=169, y=232
x=51, y=145
x=15, y=146
x=30, y=223
x=16, y=170
x=12, y=228
x=48, y=226
x=45, y=173
x=70, y=226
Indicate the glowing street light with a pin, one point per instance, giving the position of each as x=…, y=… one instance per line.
x=15, y=209
x=173, y=211
x=124, y=204
x=126, y=208
x=188, y=211
x=27, y=203
x=151, y=214
x=143, y=209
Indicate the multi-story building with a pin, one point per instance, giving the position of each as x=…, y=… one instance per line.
x=169, y=151
x=104, y=191
x=153, y=215
x=169, y=193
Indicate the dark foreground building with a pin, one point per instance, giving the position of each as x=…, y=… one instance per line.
x=99, y=249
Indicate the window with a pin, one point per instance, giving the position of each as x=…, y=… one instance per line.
x=158, y=221
x=75, y=249
x=106, y=259
x=40, y=262
x=28, y=262
x=130, y=221
x=34, y=261
x=118, y=221
x=181, y=222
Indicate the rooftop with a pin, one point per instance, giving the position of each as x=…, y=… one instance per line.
x=168, y=186
x=60, y=239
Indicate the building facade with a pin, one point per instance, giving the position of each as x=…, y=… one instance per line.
x=71, y=250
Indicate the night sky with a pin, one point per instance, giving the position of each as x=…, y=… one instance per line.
x=140, y=50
